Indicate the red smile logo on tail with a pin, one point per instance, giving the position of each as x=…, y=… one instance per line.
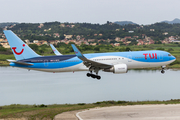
x=18, y=53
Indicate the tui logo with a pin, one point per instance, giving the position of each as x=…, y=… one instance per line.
x=18, y=53
x=153, y=56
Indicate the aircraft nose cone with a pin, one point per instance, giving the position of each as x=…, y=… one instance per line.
x=173, y=58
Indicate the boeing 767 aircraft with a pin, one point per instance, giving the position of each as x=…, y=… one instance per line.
x=115, y=62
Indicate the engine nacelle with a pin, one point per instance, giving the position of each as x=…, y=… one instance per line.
x=119, y=68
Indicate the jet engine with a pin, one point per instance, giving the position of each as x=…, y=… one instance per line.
x=116, y=69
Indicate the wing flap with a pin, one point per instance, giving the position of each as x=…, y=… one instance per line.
x=97, y=64
x=88, y=62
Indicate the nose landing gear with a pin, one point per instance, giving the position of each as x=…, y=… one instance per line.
x=162, y=71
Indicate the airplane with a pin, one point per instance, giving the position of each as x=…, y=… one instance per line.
x=55, y=50
x=115, y=62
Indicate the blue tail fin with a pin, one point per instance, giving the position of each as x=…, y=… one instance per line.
x=20, y=49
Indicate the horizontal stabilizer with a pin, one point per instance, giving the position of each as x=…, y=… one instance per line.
x=18, y=62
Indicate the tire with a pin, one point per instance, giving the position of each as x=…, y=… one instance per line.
x=98, y=77
x=162, y=71
x=93, y=76
x=88, y=74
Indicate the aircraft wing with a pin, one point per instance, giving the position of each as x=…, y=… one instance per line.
x=90, y=63
x=55, y=50
x=18, y=62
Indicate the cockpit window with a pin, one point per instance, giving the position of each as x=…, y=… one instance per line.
x=169, y=55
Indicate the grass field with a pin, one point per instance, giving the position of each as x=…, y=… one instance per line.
x=48, y=112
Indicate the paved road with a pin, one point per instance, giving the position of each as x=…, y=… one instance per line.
x=67, y=115
x=137, y=112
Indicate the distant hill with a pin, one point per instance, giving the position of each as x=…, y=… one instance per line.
x=57, y=30
x=124, y=23
x=173, y=21
x=7, y=24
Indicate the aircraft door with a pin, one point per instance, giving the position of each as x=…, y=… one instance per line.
x=129, y=58
x=161, y=57
x=45, y=63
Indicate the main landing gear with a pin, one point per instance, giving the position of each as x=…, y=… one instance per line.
x=96, y=70
x=94, y=76
x=162, y=71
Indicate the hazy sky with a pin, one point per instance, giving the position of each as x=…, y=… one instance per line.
x=90, y=11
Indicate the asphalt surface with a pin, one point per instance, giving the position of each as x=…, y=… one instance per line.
x=67, y=116
x=137, y=112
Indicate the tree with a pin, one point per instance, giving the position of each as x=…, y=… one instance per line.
x=3, y=49
x=34, y=47
x=170, y=49
x=160, y=48
x=61, y=37
x=61, y=44
x=128, y=49
x=97, y=48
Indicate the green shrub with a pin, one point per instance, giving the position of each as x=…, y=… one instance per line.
x=81, y=103
x=175, y=62
x=121, y=102
x=97, y=103
x=42, y=105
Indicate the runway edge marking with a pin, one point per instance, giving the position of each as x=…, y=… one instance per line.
x=77, y=114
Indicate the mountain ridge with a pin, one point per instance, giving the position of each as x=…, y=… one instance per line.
x=122, y=23
x=125, y=23
x=4, y=24
x=176, y=20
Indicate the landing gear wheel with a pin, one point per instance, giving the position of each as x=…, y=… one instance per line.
x=93, y=76
x=162, y=71
x=88, y=74
x=98, y=77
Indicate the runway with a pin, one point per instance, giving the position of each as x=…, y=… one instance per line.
x=137, y=112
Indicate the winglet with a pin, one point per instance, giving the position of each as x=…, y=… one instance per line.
x=55, y=50
x=78, y=53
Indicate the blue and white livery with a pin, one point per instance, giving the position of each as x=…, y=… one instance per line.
x=116, y=62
